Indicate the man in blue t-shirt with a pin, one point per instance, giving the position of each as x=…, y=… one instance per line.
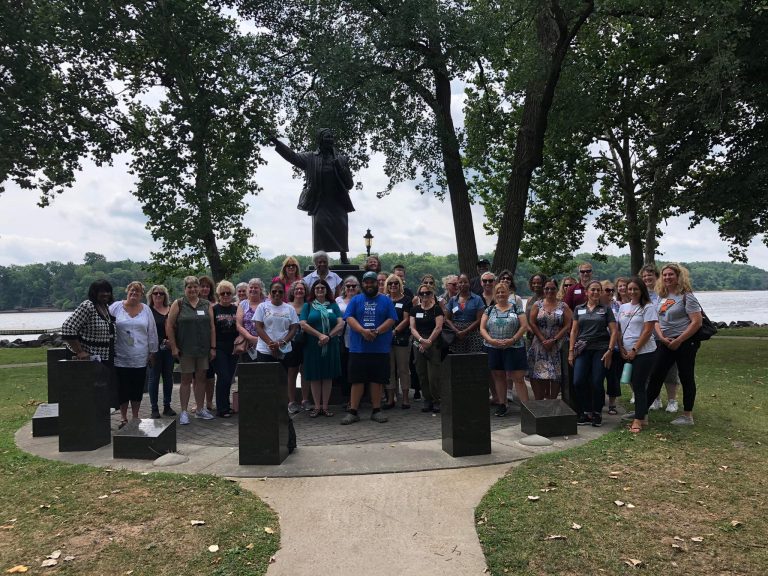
x=370, y=316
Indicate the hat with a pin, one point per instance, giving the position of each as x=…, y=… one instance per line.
x=370, y=275
x=483, y=261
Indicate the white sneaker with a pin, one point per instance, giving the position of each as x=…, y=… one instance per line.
x=672, y=406
x=632, y=400
x=204, y=414
x=184, y=417
x=683, y=421
x=656, y=405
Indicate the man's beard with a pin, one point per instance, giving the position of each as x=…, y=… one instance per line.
x=370, y=291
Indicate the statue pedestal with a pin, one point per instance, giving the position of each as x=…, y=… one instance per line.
x=83, y=405
x=466, y=424
x=263, y=416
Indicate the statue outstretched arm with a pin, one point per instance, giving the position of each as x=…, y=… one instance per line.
x=298, y=160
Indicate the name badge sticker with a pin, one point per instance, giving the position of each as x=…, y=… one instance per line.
x=201, y=312
x=419, y=314
x=455, y=309
x=399, y=305
x=582, y=312
x=577, y=291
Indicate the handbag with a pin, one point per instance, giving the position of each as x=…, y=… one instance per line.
x=707, y=329
x=448, y=336
x=241, y=345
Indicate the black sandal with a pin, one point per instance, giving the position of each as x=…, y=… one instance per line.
x=315, y=413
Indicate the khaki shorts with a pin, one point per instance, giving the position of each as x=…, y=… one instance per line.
x=191, y=364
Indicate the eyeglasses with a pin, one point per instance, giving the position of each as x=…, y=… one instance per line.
x=428, y=282
x=487, y=280
x=291, y=266
x=350, y=285
x=158, y=293
x=550, y=289
x=451, y=284
x=609, y=290
x=505, y=279
x=567, y=285
x=585, y=271
x=393, y=284
x=225, y=293
x=423, y=294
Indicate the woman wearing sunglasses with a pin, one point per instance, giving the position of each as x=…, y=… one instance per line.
x=289, y=273
x=159, y=304
x=351, y=288
x=399, y=354
x=426, y=323
x=612, y=374
x=225, y=320
x=503, y=327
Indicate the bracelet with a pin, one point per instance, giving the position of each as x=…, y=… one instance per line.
x=213, y=347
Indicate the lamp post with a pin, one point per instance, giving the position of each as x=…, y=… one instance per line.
x=368, y=238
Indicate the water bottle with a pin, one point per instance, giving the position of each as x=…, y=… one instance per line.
x=626, y=373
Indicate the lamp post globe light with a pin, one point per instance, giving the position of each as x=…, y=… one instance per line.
x=368, y=238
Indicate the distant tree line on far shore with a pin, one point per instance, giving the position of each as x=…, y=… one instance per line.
x=63, y=286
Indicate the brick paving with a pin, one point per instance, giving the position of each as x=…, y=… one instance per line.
x=403, y=426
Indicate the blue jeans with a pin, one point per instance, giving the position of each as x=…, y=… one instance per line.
x=588, y=376
x=224, y=365
x=163, y=367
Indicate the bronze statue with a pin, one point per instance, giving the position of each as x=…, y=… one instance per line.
x=325, y=197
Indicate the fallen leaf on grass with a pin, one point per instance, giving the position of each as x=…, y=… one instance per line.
x=44, y=506
x=633, y=562
x=697, y=539
x=249, y=546
x=556, y=537
x=197, y=522
x=115, y=491
x=269, y=530
x=213, y=548
x=682, y=482
x=272, y=560
x=575, y=526
x=55, y=554
x=723, y=468
x=48, y=562
x=547, y=489
x=618, y=503
x=103, y=496
x=20, y=569
x=68, y=558
x=629, y=505
x=6, y=527
x=679, y=539
x=735, y=523
x=534, y=498
x=574, y=482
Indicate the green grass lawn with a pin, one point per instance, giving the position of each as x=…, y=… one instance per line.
x=22, y=355
x=113, y=522
x=707, y=482
x=759, y=331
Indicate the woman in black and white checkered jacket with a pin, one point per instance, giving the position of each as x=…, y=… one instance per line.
x=90, y=331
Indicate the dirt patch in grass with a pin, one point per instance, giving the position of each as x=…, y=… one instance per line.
x=676, y=485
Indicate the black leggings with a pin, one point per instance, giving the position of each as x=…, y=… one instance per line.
x=685, y=358
x=641, y=367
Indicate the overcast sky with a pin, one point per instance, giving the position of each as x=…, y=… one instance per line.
x=101, y=215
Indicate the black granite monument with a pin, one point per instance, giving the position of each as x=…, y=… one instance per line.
x=83, y=405
x=53, y=356
x=263, y=417
x=45, y=422
x=547, y=418
x=145, y=439
x=464, y=405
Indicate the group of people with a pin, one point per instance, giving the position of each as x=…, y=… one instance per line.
x=377, y=332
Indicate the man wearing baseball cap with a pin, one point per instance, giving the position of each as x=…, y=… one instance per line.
x=370, y=316
x=482, y=267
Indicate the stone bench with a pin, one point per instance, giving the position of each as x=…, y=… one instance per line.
x=547, y=418
x=144, y=439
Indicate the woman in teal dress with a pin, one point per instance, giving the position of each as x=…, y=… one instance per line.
x=322, y=322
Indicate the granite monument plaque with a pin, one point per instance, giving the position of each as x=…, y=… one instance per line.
x=45, y=422
x=145, y=439
x=263, y=416
x=54, y=376
x=83, y=405
x=547, y=418
x=466, y=426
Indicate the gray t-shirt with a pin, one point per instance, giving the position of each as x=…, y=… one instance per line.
x=593, y=325
x=632, y=319
x=673, y=316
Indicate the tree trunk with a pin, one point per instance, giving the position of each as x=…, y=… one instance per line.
x=458, y=191
x=651, y=240
x=628, y=185
x=554, y=40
